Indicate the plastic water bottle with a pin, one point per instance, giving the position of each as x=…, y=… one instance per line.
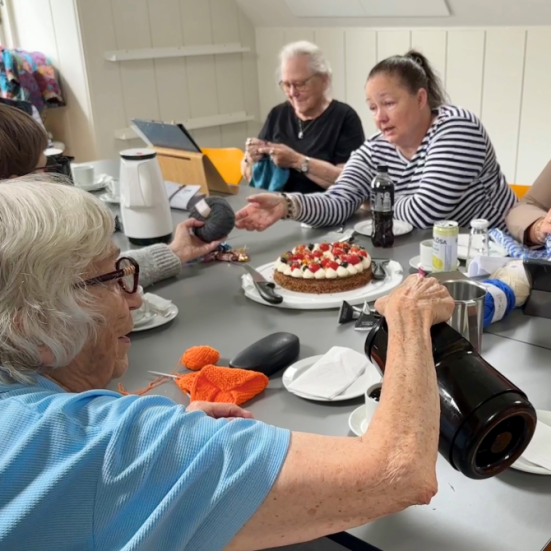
x=382, y=207
x=479, y=240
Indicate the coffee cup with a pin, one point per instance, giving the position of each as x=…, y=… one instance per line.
x=142, y=313
x=83, y=176
x=114, y=188
x=425, y=254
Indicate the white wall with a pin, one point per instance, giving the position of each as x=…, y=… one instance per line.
x=51, y=27
x=168, y=89
x=500, y=74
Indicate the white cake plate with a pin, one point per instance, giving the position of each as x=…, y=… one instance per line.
x=311, y=301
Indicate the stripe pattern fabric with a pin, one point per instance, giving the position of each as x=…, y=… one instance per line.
x=454, y=175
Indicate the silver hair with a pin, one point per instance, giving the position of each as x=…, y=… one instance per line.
x=50, y=236
x=318, y=64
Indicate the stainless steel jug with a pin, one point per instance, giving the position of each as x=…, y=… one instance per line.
x=468, y=316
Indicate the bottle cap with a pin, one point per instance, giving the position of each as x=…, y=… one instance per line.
x=382, y=168
x=480, y=224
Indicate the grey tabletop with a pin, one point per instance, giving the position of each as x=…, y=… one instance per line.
x=507, y=513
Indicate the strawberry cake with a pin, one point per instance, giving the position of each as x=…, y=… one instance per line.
x=323, y=268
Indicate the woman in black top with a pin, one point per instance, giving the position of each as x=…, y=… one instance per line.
x=310, y=133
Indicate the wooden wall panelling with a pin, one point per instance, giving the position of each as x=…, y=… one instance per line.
x=170, y=74
x=432, y=44
x=391, y=43
x=132, y=30
x=331, y=42
x=268, y=45
x=361, y=56
x=250, y=75
x=465, y=69
x=104, y=78
x=229, y=70
x=201, y=71
x=502, y=94
x=535, y=143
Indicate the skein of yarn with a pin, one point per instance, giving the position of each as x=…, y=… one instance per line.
x=499, y=301
x=514, y=275
x=218, y=217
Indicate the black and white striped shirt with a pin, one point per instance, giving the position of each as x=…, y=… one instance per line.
x=454, y=175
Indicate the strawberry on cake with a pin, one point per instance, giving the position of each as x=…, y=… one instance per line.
x=323, y=268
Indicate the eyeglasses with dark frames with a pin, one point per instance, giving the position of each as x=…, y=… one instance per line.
x=299, y=85
x=127, y=274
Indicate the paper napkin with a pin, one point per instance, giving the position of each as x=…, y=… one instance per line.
x=332, y=374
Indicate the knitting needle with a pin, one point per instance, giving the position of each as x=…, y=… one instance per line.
x=165, y=374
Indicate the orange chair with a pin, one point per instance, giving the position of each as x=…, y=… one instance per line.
x=227, y=161
x=519, y=190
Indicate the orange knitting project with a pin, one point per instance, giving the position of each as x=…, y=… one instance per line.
x=197, y=357
x=223, y=384
x=211, y=383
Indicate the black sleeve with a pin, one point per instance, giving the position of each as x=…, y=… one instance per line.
x=351, y=137
x=267, y=132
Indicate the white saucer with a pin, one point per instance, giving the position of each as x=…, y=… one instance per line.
x=415, y=263
x=358, y=421
x=522, y=464
x=156, y=320
x=398, y=227
x=356, y=389
x=97, y=186
x=108, y=198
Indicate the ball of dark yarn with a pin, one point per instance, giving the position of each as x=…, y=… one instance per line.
x=219, y=223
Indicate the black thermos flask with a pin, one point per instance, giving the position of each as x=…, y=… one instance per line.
x=486, y=422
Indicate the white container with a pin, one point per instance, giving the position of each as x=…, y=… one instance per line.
x=444, y=246
x=145, y=209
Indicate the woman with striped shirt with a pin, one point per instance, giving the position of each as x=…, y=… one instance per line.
x=439, y=157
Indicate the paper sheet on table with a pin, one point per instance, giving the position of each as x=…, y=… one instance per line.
x=332, y=374
x=486, y=265
x=539, y=449
x=180, y=196
x=160, y=304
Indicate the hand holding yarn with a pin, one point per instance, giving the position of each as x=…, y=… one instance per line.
x=188, y=247
x=218, y=218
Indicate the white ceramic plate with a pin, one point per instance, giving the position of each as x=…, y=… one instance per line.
x=356, y=389
x=311, y=301
x=521, y=464
x=156, y=320
x=359, y=420
x=463, y=247
x=398, y=227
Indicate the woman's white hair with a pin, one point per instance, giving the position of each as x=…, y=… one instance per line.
x=318, y=64
x=50, y=236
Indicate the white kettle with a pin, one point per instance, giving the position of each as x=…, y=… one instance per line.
x=145, y=209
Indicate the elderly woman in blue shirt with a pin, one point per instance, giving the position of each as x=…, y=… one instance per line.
x=83, y=467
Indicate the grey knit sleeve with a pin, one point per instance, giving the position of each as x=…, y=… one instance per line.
x=156, y=262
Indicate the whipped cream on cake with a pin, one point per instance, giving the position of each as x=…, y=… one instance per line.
x=324, y=261
x=323, y=268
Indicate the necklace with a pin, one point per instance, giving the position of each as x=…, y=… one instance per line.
x=303, y=128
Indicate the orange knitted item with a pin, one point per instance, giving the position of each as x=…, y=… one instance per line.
x=197, y=357
x=223, y=384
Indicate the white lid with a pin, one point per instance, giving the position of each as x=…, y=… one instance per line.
x=480, y=224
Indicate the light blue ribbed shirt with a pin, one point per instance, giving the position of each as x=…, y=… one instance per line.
x=101, y=471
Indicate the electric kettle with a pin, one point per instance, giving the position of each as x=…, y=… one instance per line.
x=145, y=209
x=486, y=422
